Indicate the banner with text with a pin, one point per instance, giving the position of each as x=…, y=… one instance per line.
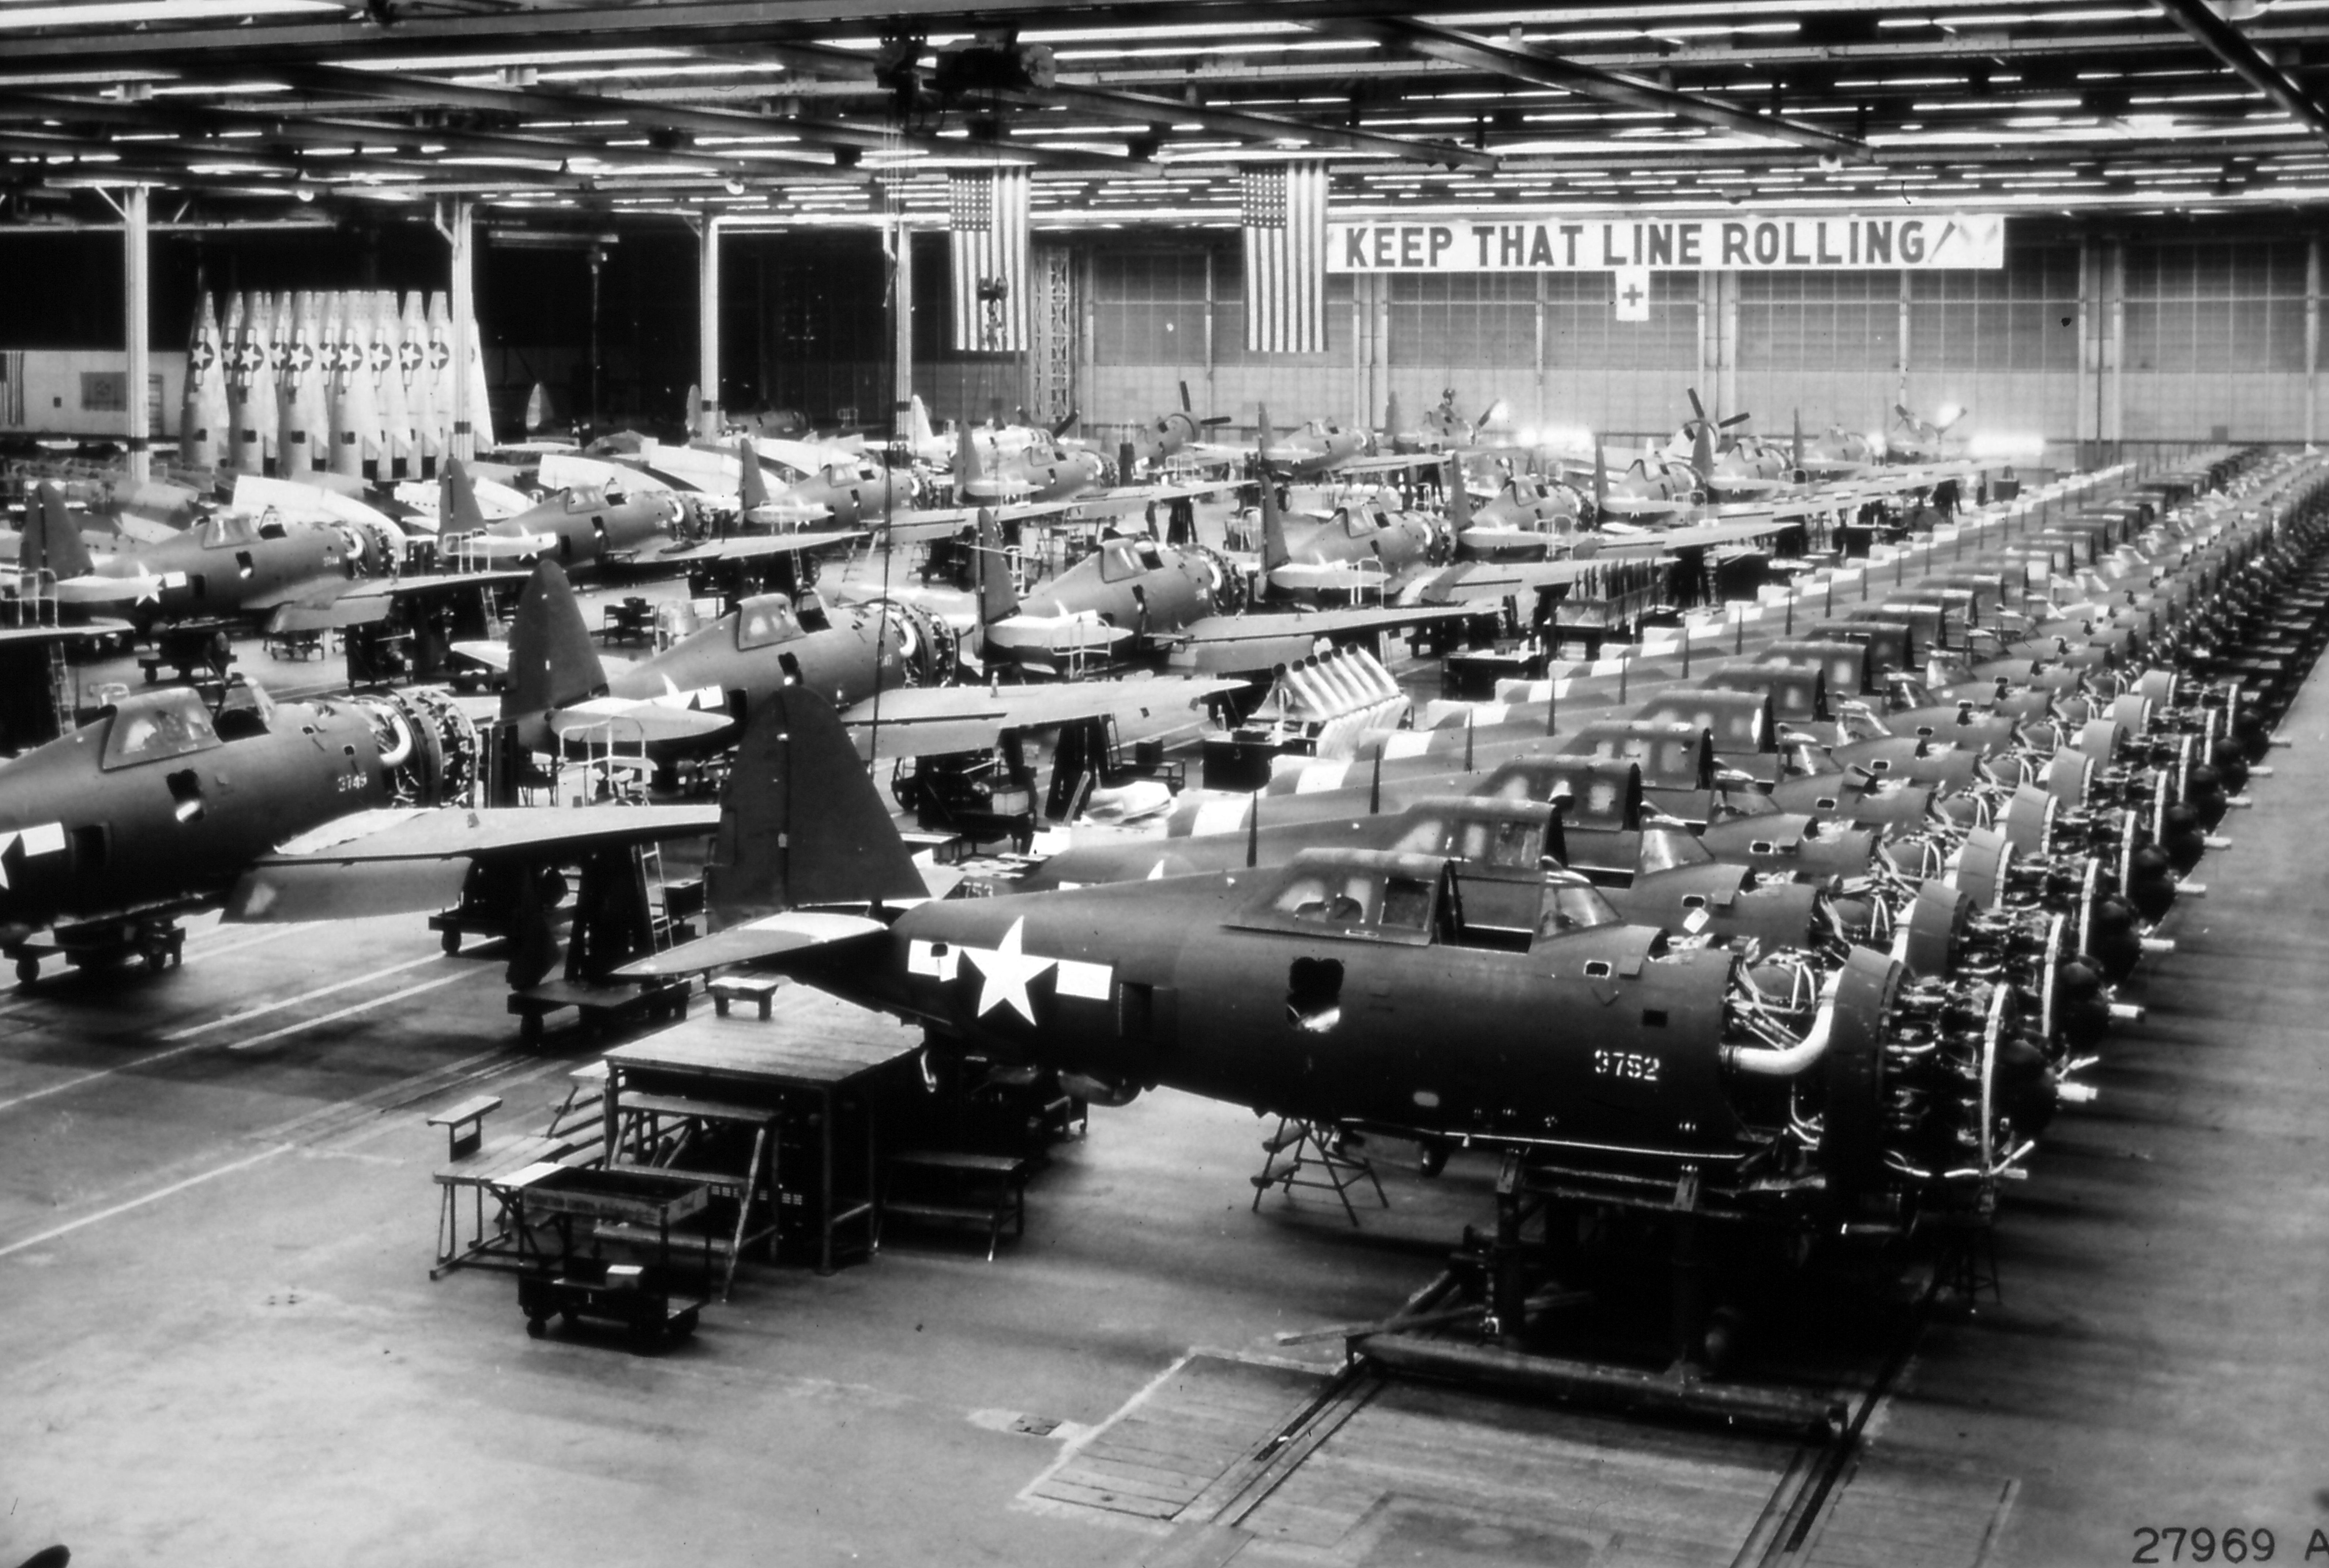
x=1564, y=242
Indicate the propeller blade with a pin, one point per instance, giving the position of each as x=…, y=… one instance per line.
x=1696, y=407
x=1186, y=406
x=1902, y=409
x=1735, y=419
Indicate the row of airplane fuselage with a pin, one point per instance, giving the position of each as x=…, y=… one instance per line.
x=1830, y=929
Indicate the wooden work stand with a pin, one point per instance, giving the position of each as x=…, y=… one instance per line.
x=810, y=1082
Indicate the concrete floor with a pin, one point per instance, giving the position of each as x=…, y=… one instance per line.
x=219, y=1340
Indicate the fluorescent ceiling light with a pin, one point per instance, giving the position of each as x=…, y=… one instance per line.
x=95, y=12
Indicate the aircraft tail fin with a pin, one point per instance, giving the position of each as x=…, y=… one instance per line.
x=917, y=428
x=967, y=470
x=51, y=541
x=553, y=665
x=1600, y=480
x=996, y=597
x=1261, y=438
x=800, y=822
x=1459, y=498
x=1702, y=453
x=1797, y=452
x=1274, y=553
x=457, y=511
x=753, y=487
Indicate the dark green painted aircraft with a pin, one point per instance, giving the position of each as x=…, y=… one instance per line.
x=1386, y=990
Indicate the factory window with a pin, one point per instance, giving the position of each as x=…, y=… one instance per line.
x=1486, y=319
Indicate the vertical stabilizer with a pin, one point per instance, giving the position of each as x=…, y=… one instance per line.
x=1460, y=497
x=51, y=541
x=919, y=431
x=751, y=485
x=1601, y=481
x=1274, y=553
x=996, y=596
x=800, y=822
x=457, y=511
x=553, y=665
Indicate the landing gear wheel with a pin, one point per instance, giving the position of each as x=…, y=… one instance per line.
x=28, y=970
x=450, y=942
x=156, y=959
x=529, y=1031
x=533, y=1327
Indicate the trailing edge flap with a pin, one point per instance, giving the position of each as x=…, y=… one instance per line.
x=800, y=822
x=552, y=662
x=769, y=936
x=277, y=891
x=348, y=610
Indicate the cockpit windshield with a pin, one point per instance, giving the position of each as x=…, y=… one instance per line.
x=1571, y=905
x=164, y=724
x=226, y=529
x=766, y=619
x=1664, y=849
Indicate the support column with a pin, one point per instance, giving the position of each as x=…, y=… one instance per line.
x=1726, y=345
x=2089, y=421
x=707, y=330
x=463, y=292
x=901, y=330
x=1536, y=414
x=2114, y=408
x=2313, y=339
x=1708, y=352
x=1210, y=352
x=135, y=307
x=1900, y=353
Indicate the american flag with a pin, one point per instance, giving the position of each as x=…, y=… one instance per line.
x=1284, y=217
x=986, y=251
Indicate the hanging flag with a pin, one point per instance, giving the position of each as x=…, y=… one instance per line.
x=1284, y=216
x=986, y=251
x=1633, y=285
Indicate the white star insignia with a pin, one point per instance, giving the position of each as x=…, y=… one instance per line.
x=1004, y=971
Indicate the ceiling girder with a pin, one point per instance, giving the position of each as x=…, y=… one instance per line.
x=2228, y=44
x=1522, y=64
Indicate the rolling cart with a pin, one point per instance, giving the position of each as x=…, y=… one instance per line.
x=638, y=1300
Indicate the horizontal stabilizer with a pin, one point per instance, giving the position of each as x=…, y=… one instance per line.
x=769, y=936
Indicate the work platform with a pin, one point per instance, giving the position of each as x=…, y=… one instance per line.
x=808, y=1082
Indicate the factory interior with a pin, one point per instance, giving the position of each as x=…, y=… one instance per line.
x=1153, y=785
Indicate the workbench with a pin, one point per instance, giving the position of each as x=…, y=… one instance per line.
x=818, y=1069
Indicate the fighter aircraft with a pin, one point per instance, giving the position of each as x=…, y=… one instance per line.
x=1360, y=548
x=691, y=692
x=581, y=529
x=1730, y=463
x=1441, y=430
x=1180, y=434
x=153, y=807
x=1039, y=472
x=228, y=565
x=1323, y=447
x=1910, y=439
x=1835, y=452
x=1375, y=988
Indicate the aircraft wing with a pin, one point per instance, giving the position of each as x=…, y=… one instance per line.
x=396, y=860
x=753, y=547
x=1390, y=463
x=569, y=470
x=770, y=936
x=1697, y=536
x=922, y=720
x=363, y=604
x=1367, y=575
x=1494, y=581
x=1220, y=643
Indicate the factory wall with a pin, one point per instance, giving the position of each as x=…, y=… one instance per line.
x=2078, y=339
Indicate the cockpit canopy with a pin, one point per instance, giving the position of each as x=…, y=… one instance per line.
x=1602, y=795
x=228, y=531
x=1509, y=835
x=1122, y=559
x=764, y=620
x=1739, y=721
x=1672, y=755
x=1416, y=900
x=156, y=725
